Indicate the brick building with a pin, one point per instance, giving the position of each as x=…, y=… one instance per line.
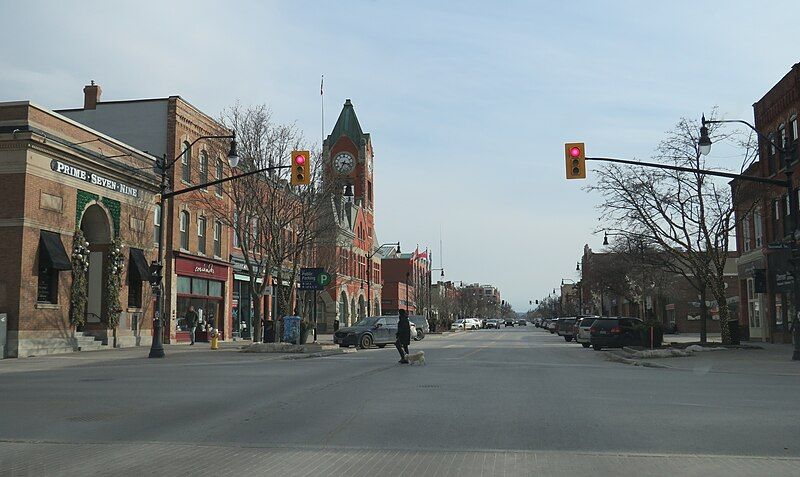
x=406, y=283
x=197, y=267
x=59, y=178
x=605, y=291
x=348, y=235
x=766, y=284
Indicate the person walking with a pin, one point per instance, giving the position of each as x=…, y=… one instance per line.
x=403, y=336
x=191, y=321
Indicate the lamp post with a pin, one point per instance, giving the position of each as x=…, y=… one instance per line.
x=369, y=273
x=704, y=145
x=157, y=266
x=430, y=287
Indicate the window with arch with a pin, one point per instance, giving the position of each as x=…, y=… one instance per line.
x=203, y=168
x=218, y=176
x=186, y=162
x=184, y=230
x=201, y=235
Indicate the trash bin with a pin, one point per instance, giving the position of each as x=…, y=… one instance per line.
x=733, y=329
x=291, y=329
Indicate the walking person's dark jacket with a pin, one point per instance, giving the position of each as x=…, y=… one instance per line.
x=404, y=330
x=191, y=319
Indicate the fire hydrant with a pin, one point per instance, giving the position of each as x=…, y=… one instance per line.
x=214, y=339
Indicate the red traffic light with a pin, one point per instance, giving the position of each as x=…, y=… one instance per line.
x=574, y=152
x=300, y=159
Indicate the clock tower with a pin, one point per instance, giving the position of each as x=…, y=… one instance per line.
x=348, y=251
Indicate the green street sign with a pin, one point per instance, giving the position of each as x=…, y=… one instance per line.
x=324, y=278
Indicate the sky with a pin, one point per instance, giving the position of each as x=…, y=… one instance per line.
x=468, y=103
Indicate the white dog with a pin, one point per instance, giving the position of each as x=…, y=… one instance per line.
x=418, y=357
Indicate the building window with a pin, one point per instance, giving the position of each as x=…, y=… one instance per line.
x=219, y=176
x=746, y=234
x=236, y=229
x=186, y=163
x=759, y=231
x=203, y=168
x=217, y=238
x=255, y=232
x=782, y=135
x=134, y=288
x=185, y=230
x=201, y=235
x=47, y=291
x=794, y=128
x=157, y=224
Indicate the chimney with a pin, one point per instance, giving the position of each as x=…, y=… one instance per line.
x=91, y=95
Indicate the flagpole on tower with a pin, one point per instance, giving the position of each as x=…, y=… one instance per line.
x=322, y=110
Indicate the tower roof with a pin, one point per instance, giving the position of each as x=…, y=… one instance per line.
x=347, y=125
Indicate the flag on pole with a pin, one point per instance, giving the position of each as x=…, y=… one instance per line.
x=321, y=81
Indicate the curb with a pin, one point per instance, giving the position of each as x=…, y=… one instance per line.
x=321, y=354
x=632, y=362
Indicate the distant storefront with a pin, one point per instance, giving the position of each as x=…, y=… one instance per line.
x=201, y=284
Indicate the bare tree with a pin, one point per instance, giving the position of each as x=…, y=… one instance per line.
x=689, y=216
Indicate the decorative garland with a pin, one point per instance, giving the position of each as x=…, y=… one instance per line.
x=78, y=293
x=114, y=268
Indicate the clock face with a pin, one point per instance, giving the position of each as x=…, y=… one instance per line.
x=344, y=163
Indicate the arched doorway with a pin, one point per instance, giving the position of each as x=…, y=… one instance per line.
x=376, y=307
x=96, y=228
x=353, y=309
x=343, y=309
x=362, y=307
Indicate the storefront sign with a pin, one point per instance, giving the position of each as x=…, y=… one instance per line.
x=91, y=177
x=198, y=268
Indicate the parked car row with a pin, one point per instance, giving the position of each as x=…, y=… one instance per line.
x=596, y=331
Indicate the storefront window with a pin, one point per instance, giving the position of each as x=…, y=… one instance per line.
x=214, y=288
x=199, y=286
x=184, y=285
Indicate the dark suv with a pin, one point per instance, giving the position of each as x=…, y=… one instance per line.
x=615, y=332
x=377, y=330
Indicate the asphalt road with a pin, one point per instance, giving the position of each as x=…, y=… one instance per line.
x=516, y=401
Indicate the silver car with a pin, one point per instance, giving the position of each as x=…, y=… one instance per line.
x=583, y=336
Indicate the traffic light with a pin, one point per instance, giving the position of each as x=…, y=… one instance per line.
x=301, y=168
x=155, y=273
x=575, y=153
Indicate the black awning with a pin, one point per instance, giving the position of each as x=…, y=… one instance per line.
x=139, y=264
x=53, y=251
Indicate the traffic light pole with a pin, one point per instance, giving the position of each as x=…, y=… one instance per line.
x=157, y=282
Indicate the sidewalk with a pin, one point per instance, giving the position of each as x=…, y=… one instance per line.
x=773, y=359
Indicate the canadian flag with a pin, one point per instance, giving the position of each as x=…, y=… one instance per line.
x=418, y=255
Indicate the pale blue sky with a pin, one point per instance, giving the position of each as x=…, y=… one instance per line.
x=480, y=94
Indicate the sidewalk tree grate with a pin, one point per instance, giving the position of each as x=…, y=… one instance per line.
x=429, y=386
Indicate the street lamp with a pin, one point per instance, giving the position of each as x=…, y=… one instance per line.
x=369, y=271
x=157, y=266
x=704, y=144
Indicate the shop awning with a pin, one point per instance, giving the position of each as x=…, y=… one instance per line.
x=139, y=264
x=54, y=253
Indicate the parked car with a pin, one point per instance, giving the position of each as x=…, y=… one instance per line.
x=473, y=324
x=483, y=323
x=509, y=322
x=565, y=328
x=421, y=323
x=582, y=326
x=552, y=325
x=457, y=325
x=369, y=331
x=522, y=323
x=615, y=332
